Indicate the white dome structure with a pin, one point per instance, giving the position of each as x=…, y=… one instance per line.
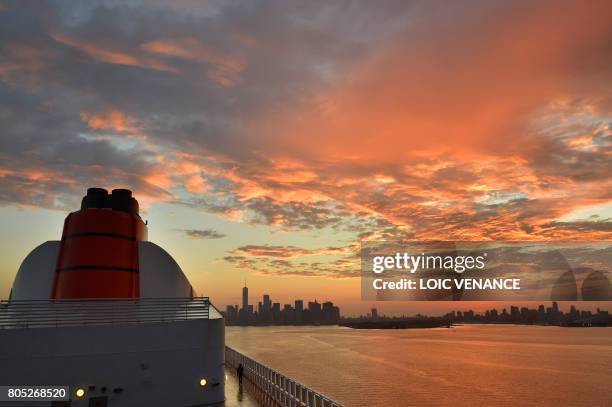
x=159, y=274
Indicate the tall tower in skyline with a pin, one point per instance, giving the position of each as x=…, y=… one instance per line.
x=299, y=311
x=245, y=297
x=267, y=304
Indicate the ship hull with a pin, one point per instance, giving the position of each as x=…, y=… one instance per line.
x=142, y=364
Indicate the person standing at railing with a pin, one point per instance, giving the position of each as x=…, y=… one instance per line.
x=240, y=372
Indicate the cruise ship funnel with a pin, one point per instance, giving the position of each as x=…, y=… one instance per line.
x=98, y=255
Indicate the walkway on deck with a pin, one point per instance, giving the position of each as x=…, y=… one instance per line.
x=238, y=396
x=267, y=387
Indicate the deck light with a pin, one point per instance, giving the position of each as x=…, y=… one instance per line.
x=80, y=392
x=202, y=382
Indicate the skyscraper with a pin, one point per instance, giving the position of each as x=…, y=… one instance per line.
x=245, y=297
x=267, y=303
x=327, y=312
x=314, y=312
x=299, y=311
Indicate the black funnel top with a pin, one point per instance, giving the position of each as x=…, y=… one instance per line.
x=118, y=200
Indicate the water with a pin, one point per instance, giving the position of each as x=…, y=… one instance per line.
x=471, y=365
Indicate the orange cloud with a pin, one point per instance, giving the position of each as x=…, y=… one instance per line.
x=112, y=119
x=487, y=123
x=283, y=251
x=111, y=56
x=583, y=141
x=442, y=133
x=226, y=70
x=20, y=58
x=469, y=88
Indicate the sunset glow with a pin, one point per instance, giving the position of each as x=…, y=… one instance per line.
x=267, y=148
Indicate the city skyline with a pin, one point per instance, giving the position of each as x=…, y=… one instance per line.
x=541, y=315
x=271, y=313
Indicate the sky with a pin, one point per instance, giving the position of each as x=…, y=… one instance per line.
x=265, y=140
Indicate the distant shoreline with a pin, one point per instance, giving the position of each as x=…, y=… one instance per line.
x=419, y=325
x=571, y=325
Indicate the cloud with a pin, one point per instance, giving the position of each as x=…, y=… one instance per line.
x=479, y=120
x=225, y=69
x=339, y=268
x=112, y=119
x=604, y=225
x=283, y=251
x=203, y=234
x=108, y=55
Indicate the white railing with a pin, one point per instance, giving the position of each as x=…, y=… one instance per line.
x=100, y=311
x=281, y=390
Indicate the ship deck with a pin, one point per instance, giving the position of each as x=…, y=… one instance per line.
x=236, y=395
